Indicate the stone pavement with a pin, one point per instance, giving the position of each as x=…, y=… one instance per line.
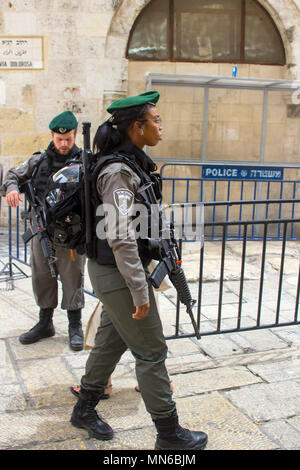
x=242, y=389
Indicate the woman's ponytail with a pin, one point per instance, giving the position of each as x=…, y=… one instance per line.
x=106, y=138
x=113, y=132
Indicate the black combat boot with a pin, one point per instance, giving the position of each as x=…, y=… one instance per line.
x=75, y=330
x=43, y=329
x=85, y=416
x=170, y=435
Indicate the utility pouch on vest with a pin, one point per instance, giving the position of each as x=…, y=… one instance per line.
x=65, y=216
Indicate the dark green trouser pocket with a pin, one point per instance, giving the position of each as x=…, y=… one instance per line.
x=119, y=331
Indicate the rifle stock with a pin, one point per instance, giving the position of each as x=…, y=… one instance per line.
x=179, y=281
x=177, y=277
x=87, y=155
x=169, y=265
x=169, y=257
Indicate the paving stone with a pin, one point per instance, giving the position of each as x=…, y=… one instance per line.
x=210, y=294
x=258, y=358
x=127, y=358
x=277, y=371
x=295, y=422
x=11, y=398
x=212, y=268
x=132, y=439
x=280, y=431
x=53, y=346
x=125, y=409
x=52, y=396
x=7, y=375
x=227, y=324
x=210, y=312
x=182, y=347
x=38, y=427
x=268, y=314
x=72, y=444
x=51, y=373
x=13, y=320
x=188, y=363
x=227, y=427
x=251, y=292
x=221, y=378
x=76, y=361
x=263, y=402
x=258, y=340
x=211, y=413
x=290, y=334
x=218, y=379
x=291, y=264
x=218, y=346
x=7, y=372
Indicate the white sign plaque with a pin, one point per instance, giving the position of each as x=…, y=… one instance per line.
x=21, y=52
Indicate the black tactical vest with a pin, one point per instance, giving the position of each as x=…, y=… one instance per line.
x=101, y=251
x=48, y=165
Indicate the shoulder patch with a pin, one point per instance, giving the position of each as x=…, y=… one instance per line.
x=123, y=198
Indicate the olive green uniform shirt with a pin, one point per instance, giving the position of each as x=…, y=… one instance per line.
x=15, y=177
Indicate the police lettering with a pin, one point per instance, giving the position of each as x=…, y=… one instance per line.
x=222, y=172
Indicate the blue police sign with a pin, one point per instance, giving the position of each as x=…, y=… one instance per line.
x=234, y=172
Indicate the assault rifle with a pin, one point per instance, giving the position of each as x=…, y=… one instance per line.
x=87, y=157
x=167, y=251
x=37, y=218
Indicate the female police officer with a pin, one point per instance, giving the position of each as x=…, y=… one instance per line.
x=130, y=317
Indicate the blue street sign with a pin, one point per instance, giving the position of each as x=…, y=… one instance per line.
x=233, y=172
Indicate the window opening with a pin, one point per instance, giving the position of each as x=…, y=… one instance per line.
x=235, y=31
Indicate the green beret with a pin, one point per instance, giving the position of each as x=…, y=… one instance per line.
x=63, y=123
x=150, y=97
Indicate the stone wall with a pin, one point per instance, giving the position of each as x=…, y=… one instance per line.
x=234, y=117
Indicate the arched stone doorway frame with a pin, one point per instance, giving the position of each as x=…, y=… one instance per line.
x=128, y=10
x=115, y=48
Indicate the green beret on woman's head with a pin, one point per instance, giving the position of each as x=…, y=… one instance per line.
x=149, y=97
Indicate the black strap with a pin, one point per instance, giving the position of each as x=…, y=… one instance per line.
x=38, y=162
x=118, y=158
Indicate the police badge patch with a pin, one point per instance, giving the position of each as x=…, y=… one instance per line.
x=124, y=200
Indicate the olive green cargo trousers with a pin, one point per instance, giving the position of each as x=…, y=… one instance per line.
x=45, y=287
x=118, y=331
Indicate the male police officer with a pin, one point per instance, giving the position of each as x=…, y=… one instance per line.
x=40, y=168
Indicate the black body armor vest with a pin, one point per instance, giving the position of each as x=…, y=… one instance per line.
x=47, y=166
x=101, y=251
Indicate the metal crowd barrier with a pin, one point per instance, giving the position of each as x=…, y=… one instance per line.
x=182, y=327
x=276, y=296
x=253, y=201
x=6, y=273
x=1, y=179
